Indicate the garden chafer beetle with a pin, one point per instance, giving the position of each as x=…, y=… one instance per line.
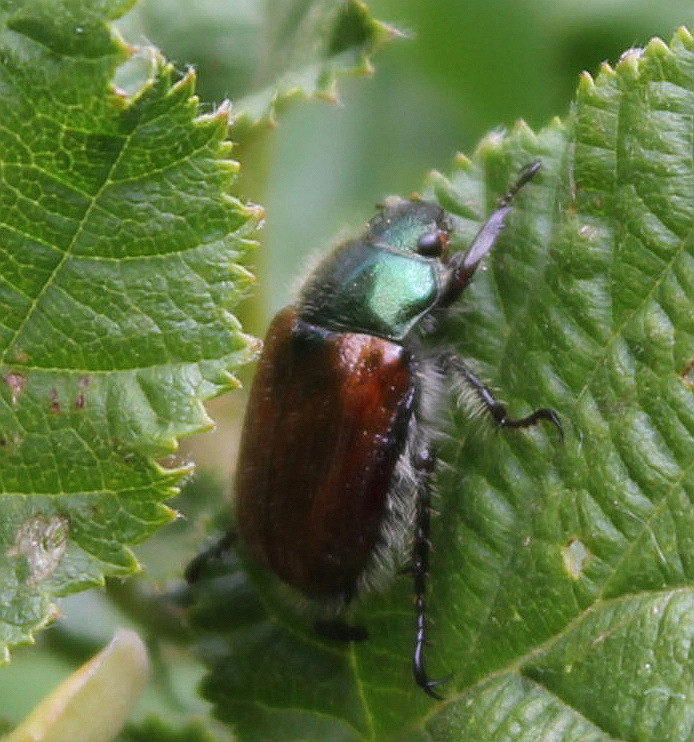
x=338, y=451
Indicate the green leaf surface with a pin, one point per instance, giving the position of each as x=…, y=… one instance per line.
x=561, y=589
x=118, y=250
x=161, y=730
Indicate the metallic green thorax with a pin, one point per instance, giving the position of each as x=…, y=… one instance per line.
x=377, y=284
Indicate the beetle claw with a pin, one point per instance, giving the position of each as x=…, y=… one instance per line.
x=421, y=675
x=428, y=685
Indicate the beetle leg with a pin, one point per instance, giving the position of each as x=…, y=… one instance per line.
x=463, y=265
x=340, y=630
x=454, y=365
x=332, y=629
x=420, y=571
x=196, y=567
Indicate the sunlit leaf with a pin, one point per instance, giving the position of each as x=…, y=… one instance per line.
x=118, y=267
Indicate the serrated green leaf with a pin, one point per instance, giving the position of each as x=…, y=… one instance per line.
x=311, y=44
x=561, y=590
x=118, y=265
x=263, y=55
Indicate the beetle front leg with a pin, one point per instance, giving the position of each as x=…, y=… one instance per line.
x=454, y=365
x=425, y=464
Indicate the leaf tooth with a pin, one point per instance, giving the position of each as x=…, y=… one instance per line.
x=221, y=115
x=586, y=84
x=628, y=65
x=683, y=36
x=442, y=187
x=186, y=84
x=367, y=68
x=327, y=89
x=462, y=162
x=606, y=70
x=527, y=137
x=383, y=32
x=255, y=213
x=490, y=144
x=656, y=47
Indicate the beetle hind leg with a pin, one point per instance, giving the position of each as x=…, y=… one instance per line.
x=454, y=366
x=196, y=567
x=339, y=630
x=419, y=570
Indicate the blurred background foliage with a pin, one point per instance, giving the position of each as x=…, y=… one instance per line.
x=460, y=70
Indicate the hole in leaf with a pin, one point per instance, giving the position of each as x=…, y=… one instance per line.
x=575, y=555
x=43, y=541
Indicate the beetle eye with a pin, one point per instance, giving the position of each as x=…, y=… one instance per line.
x=432, y=244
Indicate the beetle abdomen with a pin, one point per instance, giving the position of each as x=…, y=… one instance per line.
x=330, y=415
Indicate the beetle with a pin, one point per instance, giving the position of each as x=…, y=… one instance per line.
x=338, y=450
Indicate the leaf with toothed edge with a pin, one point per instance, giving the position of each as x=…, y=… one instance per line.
x=311, y=46
x=119, y=249
x=265, y=55
x=561, y=595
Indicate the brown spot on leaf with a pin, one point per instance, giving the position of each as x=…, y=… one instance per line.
x=17, y=383
x=42, y=540
x=55, y=402
x=81, y=399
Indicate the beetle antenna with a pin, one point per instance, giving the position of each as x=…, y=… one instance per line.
x=526, y=175
x=493, y=227
x=463, y=266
